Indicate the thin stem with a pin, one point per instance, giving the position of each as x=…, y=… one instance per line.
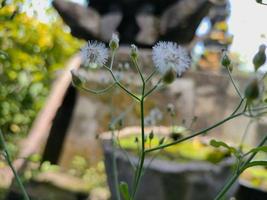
x=125, y=154
x=112, y=59
x=138, y=69
x=237, y=108
x=245, y=134
x=101, y=91
x=234, y=84
x=229, y=184
x=8, y=159
x=150, y=76
x=138, y=173
x=120, y=85
x=115, y=169
x=152, y=89
x=142, y=157
x=232, y=180
x=258, y=108
x=195, y=134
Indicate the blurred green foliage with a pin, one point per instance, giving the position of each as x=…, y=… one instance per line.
x=187, y=151
x=30, y=54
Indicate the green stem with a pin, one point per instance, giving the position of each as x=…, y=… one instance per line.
x=139, y=170
x=112, y=59
x=234, y=84
x=8, y=159
x=232, y=180
x=114, y=167
x=229, y=184
x=195, y=134
x=138, y=69
x=237, y=108
x=142, y=157
x=150, y=76
x=245, y=134
x=152, y=89
x=97, y=91
x=120, y=85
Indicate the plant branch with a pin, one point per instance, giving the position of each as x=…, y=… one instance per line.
x=234, y=84
x=152, y=89
x=150, y=76
x=9, y=162
x=101, y=91
x=195, y=134
x=232, y=180
x=121, y=85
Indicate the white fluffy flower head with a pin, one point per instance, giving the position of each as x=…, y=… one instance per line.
x=169, y=55
x=95, y=54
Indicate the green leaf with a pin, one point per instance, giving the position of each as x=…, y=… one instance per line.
x=124, y=190
x=217, y=144
x=254, y=163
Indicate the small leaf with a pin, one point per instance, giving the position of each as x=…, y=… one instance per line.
x=218, y=144
x=124, y=190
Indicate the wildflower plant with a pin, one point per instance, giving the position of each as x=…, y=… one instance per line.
x=170, y=61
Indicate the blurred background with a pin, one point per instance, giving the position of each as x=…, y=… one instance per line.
x=52, y=129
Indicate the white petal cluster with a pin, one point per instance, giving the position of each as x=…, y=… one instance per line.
x=169, y=55
x=95, y=54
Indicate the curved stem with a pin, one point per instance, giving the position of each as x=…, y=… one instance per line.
x=232, y=180
x=237, y=108
x=152, y=89
x=138, y=69
x=234, y=84
x=195, y=134
x=150, y=76
x=245, y=134
x=115, y=169
x=9, y=162
x=101, y=91
x=120, y=85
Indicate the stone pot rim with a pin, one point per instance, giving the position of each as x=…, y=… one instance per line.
x=248, y=185
x=160, y=164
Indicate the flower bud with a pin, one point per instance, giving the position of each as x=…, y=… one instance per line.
x=260, y=57
x=169, y=76
x=252, y=91
x=77, y=80
x=134, y=51
x=151, y=135
x=225, y=60
x=161, y=141
x=114, y=42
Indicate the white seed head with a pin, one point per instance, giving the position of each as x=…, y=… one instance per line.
x=169, y=55
x=95, y=54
